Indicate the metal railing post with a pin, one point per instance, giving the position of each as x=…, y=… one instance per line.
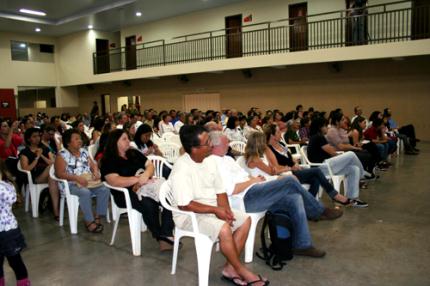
x=211, y=46
x=164, y=53
x=268, y=37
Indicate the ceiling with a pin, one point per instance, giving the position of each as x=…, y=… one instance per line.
x=68, y=16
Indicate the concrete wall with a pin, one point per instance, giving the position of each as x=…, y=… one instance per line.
x=402, y=85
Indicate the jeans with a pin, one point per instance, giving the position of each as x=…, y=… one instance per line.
x=85, y=202
x=383, y=150
x=348, y=165
x=315, y=178
x=288, y=195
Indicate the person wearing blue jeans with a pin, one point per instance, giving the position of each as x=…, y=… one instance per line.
x=282, y=194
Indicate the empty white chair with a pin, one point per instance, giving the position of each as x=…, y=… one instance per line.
x=170, y=151
x=159, y=163
x=32, y=193
x=134, y=219
x=238, y=146
x=202, y=242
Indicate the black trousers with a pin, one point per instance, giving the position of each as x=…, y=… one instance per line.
x=367, y=160
x=409, y=130
x=16, y=264
x=150, y=211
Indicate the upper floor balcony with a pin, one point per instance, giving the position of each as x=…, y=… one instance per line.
x=367, y=25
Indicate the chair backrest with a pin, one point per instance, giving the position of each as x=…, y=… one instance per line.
x=304, y=153
x=156, y=139
x=28, y=173
x=171, y=137
x=238, y=146
x=62, y=184
x=159, y=163
x=125, y=193
x=170, y=151
x=242, y=163
x=92, y=150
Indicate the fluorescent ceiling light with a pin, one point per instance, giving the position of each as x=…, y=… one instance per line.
x=22, y=45
x=37, y=29
x=138, y=14
x=90, y=27
x=32, y=12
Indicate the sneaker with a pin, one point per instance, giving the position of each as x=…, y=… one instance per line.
x=310, y=252
x=356, y=203
x=331, y=214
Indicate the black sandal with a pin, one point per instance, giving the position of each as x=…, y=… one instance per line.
x=97, y=229
x=348, y=202
x=266, y=282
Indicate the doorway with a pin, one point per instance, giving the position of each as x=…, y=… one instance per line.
x=130, y=53
x=102, y=56
x=233, y=28
x=297, y=13
x=105, y=99
x=420, y=19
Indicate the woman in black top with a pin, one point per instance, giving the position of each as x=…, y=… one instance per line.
x=37, y=159
x=312, y=176
x=119, y=167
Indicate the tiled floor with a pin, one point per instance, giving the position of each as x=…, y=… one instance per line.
x=386, y=244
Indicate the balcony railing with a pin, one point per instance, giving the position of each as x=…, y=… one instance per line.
x=391, y=22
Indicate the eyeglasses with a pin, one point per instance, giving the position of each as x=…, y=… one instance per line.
x=207, y=144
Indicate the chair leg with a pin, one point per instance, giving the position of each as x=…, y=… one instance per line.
x=35, y=196
x=115, y=227
x=27, y=197
x=73, y=207
x=61, y=222
x=204, y=250
x=134, y=219
x=178, y=237
x=249, y=244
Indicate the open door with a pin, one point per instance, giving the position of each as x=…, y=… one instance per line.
x=420, y=19
x=297, y=13
x=102, y=56
x=233, y=26
x=7, y=104
x=130, y=53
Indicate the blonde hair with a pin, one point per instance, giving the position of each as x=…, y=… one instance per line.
x=255, y=146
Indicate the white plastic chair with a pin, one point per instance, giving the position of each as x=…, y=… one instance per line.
x=335, y=179
x=134, y=219
x=32, y=192
x=170, y=151
x=297, y=154
x=238, y=146
x=92, y=150
x=236, y=202
x=171, y=137
x=202, y=242
x=72, y=202
x=159, y=163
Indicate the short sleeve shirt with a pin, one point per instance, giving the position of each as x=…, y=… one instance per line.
x=41, y=164
x=336, y=136
x=76, y=165
x=7, y=198
x=315, y=152
x=124, y=167
x=231, y=173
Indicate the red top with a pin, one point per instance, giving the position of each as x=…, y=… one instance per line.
x=371, y=133
x=12, y=150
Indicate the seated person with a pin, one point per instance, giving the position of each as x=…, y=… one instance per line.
x=48, y=137
x=10, y=141
x=73, y=163
x=291, y=136
x=121, y=166
x=232, y=131
x=79, y=125
x=37, y=159
x=346, y=164
x=375, y=133
x=305, y=123
x=252, y=126
x=337, y=137
x=261, y=195
x=406, y=130
x=197, y=187
x=165, y=125
x=143, y=142
x=279, y=156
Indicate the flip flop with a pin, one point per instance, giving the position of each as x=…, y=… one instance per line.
x=266, y=282
x=233, y=280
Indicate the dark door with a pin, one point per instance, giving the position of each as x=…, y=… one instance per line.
x=102, y=56
x=420, y=19
x=233, y=26
x=356, y=27
x=297, y=13
x=130, y=52
x=7, y=104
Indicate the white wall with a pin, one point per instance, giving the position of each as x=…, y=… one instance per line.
x=20, y=73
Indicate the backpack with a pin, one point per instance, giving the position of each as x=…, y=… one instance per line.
x=281, y=235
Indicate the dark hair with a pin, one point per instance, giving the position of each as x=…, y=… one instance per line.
x=298, y=107
x=5, y=174
x=144, y=128
x=336, y=116
x=387, y=112
x=356, y=125
x=374, y=115
x=189, y=135
x=111, y=147
x=317, y=123
x=231, y=122
x=67, y=136
x=270, y=130
x=304, y=121
x=47, y=128
x=377, y=122
x=98, y=123
x=28, y=133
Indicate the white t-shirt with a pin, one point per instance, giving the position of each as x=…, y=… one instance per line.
x=178, y=125
x=164, y=128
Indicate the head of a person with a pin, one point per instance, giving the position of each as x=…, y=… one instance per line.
x=299, y=108
x=232, y=122
x=72, y=139
x=143, y=135
x=253, y=121
x=219, y=143
x=378, y=122
x=4, y=127
x=277, y=115
x=166, y=118
x=255, y=146
x=358, y=111
x=318, y=126
x=196, y=142
x=48, y=132
x=117, y=144
x=387, y=112
x=4, y=172
x=242, y=121
x=28, y=122
x=32, y=136
x=273, y=133
x=359, y=124
x=181, y=116
x=172, y=113
x=79, y=125
x=337, y=119
x=212, y=126
x=305, y=122
x=375, y=115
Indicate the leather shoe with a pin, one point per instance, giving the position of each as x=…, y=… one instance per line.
x=331, y=214
x=311, y=252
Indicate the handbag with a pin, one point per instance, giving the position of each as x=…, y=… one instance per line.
x=92, y=182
